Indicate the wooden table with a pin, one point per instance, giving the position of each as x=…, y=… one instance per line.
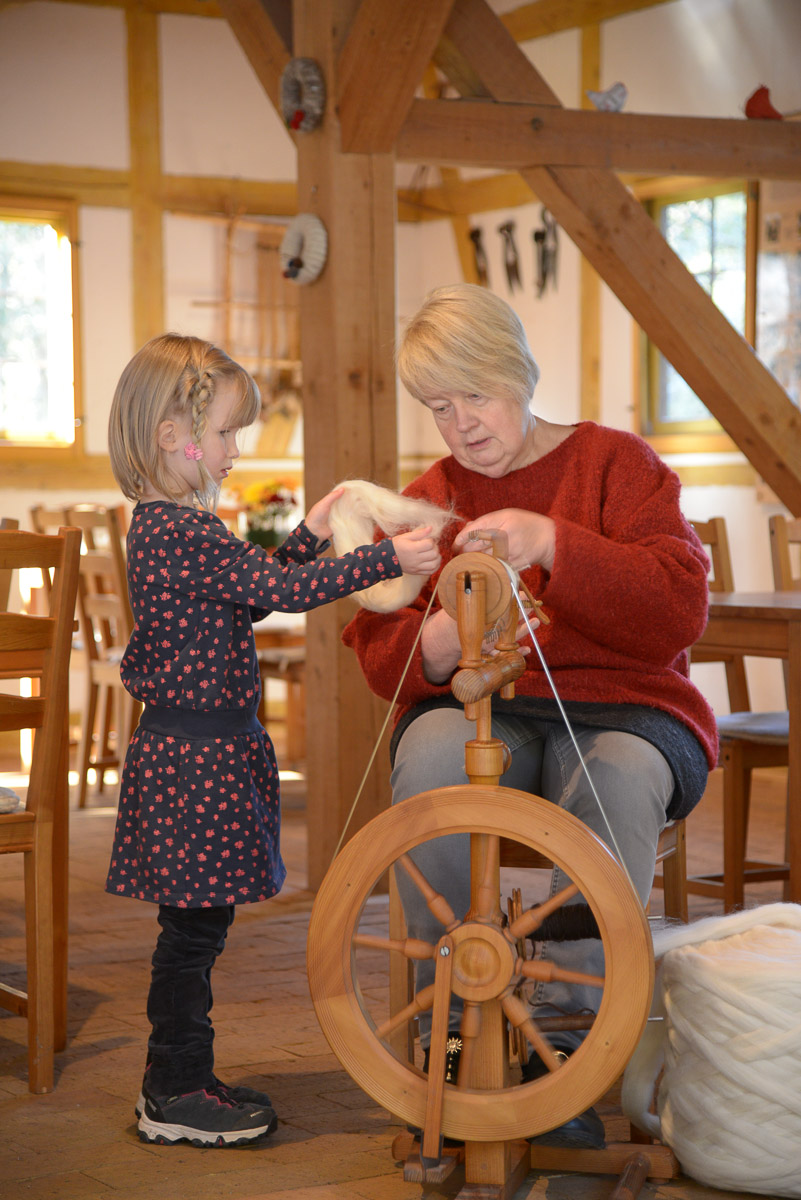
x=281, y=651
x=768, y=625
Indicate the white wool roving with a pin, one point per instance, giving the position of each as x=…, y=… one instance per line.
x=729, y=1102
x=354, y=517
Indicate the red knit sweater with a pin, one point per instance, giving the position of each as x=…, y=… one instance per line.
x=627, y=594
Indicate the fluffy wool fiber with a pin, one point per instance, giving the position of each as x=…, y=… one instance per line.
x=728, y=1046
x=365, y=506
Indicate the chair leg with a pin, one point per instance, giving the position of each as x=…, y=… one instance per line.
x=736, y=796
x=39, y=939
x=61, y=902
x=87, y=738
x=104, y=751
x=674, y=877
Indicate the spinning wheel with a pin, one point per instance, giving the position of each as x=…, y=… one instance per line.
x=485, y=965
x=476, y=958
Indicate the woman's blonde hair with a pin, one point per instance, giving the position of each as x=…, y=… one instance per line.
x=172, y=376
x=464, y=338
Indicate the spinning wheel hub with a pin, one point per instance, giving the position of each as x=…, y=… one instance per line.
x=483, y=964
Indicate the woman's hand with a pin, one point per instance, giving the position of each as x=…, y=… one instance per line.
x=416, y=551
x=317, y=518
x=532, y=537
x=441, y=648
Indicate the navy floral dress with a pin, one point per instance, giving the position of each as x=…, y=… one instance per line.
x=199, y=818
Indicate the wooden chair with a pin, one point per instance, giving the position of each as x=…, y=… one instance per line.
x=747, y=740
x=785, y=533
x=6, y=523
x=48, y=520
x=106, y=625
x=40, y=645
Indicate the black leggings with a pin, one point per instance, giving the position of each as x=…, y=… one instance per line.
x=181, y=1043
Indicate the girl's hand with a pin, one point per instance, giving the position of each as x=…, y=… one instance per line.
x=416, y=551
x=532, y=537
x=318, y=515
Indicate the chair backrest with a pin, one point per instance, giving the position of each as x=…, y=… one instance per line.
x=714, y=536
x=103, y=606
x=785, y=533
x=40, y=645
x=48, y=520
x=5, y=576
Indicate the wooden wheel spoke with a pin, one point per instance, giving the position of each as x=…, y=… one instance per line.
x=547, y=972
x=436, y=902
x=421, y=1003
x=408, y=947
x=520, y=1019
x=532, y=918
x=487, y=890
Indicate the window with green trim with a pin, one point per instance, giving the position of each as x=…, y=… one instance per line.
x=708, y=232
x=37, y=354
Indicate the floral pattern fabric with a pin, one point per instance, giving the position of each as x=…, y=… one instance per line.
x=199, y=818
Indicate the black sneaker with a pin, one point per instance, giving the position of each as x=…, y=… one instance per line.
x=208, y=1117
x=237, y=1092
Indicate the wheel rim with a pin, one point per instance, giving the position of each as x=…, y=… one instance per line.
x=503, y=1113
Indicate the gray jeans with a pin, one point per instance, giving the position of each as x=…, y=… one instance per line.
x=631, y=777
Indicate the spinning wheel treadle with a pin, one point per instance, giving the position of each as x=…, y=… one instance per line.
x=486, y=966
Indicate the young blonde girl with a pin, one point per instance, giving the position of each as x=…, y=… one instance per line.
x=198, y=825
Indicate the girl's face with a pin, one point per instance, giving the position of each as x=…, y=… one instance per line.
x=218, y=444
x=488, y=434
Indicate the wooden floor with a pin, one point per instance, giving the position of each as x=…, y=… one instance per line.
x=333, y=1141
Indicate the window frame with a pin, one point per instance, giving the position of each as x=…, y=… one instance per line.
x=708, y=436
x=63, y=213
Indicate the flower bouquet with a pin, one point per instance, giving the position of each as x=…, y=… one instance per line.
x=269, y=507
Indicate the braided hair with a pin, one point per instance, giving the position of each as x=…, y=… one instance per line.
x=172, y=376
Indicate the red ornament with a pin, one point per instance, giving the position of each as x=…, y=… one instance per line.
x=759, y=108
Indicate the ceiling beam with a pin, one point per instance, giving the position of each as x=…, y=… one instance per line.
x=380, y=67
x=618, y=238
x=484, y=133
x=544, y=17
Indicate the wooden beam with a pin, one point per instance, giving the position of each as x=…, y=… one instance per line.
x=487, y=134
x=544, y=17
x=207, y=196
x=589, y=282
x=614, y=233
x=380, y=67
x=350, y=420
x=144, y=125
x=262, y=28
x=487, y=194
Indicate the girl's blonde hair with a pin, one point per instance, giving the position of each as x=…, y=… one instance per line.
x=464, y=338
x=171, y=377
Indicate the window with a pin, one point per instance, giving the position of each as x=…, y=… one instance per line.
x=708, y=232
x=37, y=359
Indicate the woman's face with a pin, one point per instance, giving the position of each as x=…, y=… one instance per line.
x=488, y=434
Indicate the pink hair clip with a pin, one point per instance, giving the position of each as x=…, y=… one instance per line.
x=193, y=452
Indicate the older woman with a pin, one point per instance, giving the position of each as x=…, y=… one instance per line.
x=595, y=529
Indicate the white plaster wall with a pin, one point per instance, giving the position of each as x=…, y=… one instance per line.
x=704, y=58
x=106, y=314
x=216, y=118
x=63, y=85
